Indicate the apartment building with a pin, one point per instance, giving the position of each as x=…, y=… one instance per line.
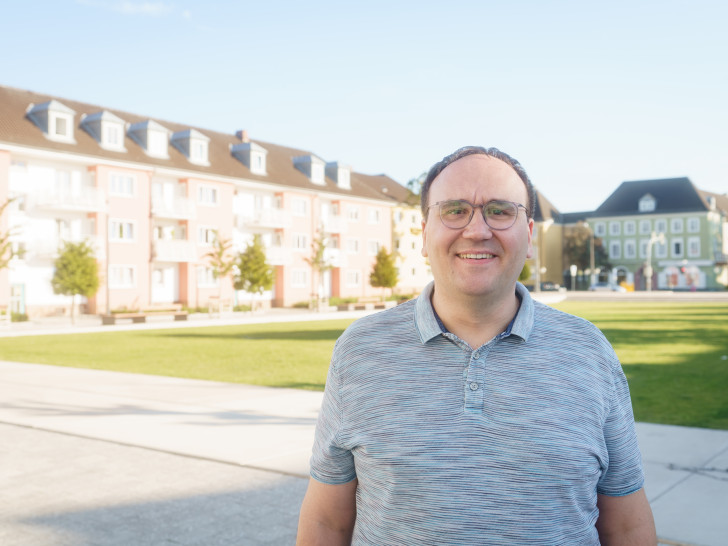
x=151, y=195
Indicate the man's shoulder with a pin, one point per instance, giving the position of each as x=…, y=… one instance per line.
x=555, y=321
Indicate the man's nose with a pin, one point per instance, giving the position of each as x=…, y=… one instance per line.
x=477, y=226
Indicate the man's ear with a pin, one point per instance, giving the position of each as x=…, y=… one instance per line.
x=424, y=239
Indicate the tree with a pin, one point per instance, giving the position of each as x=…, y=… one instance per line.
x=76, y=272
x=6, y=246
x=319, y=264
x=525, y=273
x=415, y=184
x=384, y=273
x=577, y=249
x=219, y=258
x=254, y=276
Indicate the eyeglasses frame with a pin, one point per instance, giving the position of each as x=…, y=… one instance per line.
x=482, y=212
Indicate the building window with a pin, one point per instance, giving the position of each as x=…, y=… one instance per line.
x=661, y=226
x=352, y=245
x=614, y=228
x=660, y=250
x=317, y=173
x=299, y=207
x=374, y=216
x=206, y=277
x=629, y=228
x=600, y=229
x=121, y=184
x=122, y=276
x=693, y=247
x=112, y=135
x=373, y=248
x=121, y=230
x=207, y=195
x=353, y=277
x=206, y=235
x=630, y=249
x=299, y=278
x=62, y=126
x=352, y=214
x=647, y=203
x=643, y=248
x=693, y=225
x=198, y=151
x=677, y=248
x=300, y=241
x=157, y=143
x=676, y=225
x=645, y=227
x=615, y=250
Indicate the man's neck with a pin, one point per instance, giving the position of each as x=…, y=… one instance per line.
x=475, y=320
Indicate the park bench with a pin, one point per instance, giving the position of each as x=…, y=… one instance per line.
x=366, y=304
x=142, y=315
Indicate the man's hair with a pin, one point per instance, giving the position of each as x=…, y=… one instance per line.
x=438, y=167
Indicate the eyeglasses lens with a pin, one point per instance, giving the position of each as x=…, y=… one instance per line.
x=497, y=214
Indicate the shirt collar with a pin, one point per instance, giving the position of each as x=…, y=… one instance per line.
x=428, y=325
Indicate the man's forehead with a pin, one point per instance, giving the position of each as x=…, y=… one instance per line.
x=479, y=168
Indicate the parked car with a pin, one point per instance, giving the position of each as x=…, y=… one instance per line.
x=606, y=287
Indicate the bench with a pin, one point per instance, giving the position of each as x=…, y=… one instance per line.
x=366, y=304
x=138, y=317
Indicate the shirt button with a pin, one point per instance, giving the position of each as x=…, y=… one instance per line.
x=473, y=386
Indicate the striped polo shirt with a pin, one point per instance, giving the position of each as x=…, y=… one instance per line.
x=508, y=443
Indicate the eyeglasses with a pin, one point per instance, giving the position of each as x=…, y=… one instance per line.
x=457, y=213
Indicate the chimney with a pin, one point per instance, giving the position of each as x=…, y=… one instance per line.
x=242, y=134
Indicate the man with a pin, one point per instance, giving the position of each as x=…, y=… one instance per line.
x=474, y=415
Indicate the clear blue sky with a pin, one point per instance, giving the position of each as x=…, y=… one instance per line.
x=585, y=94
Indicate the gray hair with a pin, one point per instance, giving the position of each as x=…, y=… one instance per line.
x=438, y=167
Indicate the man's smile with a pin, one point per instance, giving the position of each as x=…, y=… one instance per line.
x=476, y=256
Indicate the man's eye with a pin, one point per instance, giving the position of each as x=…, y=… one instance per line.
x=456, y=211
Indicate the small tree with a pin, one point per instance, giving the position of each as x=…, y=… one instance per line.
x=384, y=273
x=525, y=273
x=6, y=248
x=220, y=260
x=254, y=276
x=319, y=264
x=76, y=273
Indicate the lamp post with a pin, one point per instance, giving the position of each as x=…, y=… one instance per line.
x=592, y=267
x=654, y=238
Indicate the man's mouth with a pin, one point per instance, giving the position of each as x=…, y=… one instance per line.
x=476, y=256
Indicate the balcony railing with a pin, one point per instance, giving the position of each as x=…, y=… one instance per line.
x=180, y=208
x=174, y=251
x=335, y=224
x=335, y=258
x=49, y=249
x=278, y=255
x=266, y=218
x=89, y=200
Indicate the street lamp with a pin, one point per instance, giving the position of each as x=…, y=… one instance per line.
x=592, y=272
x=654, y=238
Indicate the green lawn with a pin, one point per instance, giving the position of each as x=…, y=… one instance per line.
x=675, y=355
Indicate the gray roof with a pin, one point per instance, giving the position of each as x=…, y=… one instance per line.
x=18, y=129
x=672, y=195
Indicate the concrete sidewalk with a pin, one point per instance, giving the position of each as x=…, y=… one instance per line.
x=107, y=458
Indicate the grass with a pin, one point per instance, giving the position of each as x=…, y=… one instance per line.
x=675, y=356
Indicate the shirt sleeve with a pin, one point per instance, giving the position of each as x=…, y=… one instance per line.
x=624, y=474
x=331, y=462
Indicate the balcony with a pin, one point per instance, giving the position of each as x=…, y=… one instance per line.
x=90, y=200
x=49, y=249
x=171, y=250
x=179, y=208
x=278, y=255
x=335, y=257
x=334, y=224
x=266, y=218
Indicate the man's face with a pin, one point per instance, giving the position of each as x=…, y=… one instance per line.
x=476, y=261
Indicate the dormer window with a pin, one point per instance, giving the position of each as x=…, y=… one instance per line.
x=151, y=136
x=341, y=174
x=193, y=144
x=54, y=119
x=252, y=156
x=647, y=203
x=106, y=128
x=311, y=166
